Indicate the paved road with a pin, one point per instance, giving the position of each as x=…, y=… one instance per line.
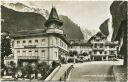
x=94, y=71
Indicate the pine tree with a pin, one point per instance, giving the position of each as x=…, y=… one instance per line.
x=5, y=47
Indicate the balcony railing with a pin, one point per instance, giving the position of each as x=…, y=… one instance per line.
x=27, y=57
x=98, y=48
x=30, y=46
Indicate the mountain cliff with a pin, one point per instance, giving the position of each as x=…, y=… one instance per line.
x=14, y=21
x=17, y=6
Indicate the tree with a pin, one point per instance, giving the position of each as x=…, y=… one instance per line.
x=75, y=53
x=43, y=68
x=71, y=53
x=85, y=54
x=5, y=47
x=13, y=68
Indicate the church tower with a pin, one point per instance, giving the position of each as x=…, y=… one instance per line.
x=53, y=23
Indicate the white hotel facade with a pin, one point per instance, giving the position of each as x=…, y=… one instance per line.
x=41, y=45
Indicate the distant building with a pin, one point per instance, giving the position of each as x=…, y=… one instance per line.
x=81, y=47
x=101, y=48
x=41, y=45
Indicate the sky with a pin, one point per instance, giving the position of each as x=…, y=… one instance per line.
x=87, y=14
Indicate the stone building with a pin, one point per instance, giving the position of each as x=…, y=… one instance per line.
x=102, y=49
x=41, y=44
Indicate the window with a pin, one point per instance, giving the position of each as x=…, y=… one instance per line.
x=95, y=45
x=112, y=47
x=30, y=41
x=90, y=53
x=18, y=42
x=100, y=52
x=56, y=54
x=36, y=41
x=24, y=41
x=18, y=51
x=56, y=41
x=43, y=40
x=105, y=52
x=101, y=45
x=36, y=52
x=29, y=52
x=24, y=52
x=43, y=53
x=62, y=44
x=95, y=52
x=112, y=52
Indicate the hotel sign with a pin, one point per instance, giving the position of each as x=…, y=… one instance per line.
x=30, y=46
x=27, y=57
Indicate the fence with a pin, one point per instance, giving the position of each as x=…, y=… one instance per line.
x=66, y=74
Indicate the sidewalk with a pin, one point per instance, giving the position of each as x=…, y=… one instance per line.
x=61, y=71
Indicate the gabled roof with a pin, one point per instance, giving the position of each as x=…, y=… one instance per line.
x=97, y=34
x=100, y=34
x=111, y=44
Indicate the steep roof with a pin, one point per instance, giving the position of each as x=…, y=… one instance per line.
x=53, y=14
x=97, y=34
x=28, y=33
x=53, y=17
x=38, y=33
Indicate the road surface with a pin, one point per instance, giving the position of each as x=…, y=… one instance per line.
x=93, y=71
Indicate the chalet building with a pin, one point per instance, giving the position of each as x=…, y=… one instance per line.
x=41, y=45
x=81, y=48
x=102, y=49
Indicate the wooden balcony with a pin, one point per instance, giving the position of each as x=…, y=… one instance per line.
x=98, y=48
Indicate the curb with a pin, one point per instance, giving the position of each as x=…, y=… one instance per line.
x=52, y=74
x=69, y=74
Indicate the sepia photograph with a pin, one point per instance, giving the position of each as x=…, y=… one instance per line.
x=69, y=41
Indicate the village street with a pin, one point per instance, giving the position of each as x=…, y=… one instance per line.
x=95, y=70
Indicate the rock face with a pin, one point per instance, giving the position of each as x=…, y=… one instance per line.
x=118, y=10
x=14, y=21
x=71, y=29
x=104, y=27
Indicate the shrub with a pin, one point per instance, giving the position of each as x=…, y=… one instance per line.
x=70, y=60
x=55, y=64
